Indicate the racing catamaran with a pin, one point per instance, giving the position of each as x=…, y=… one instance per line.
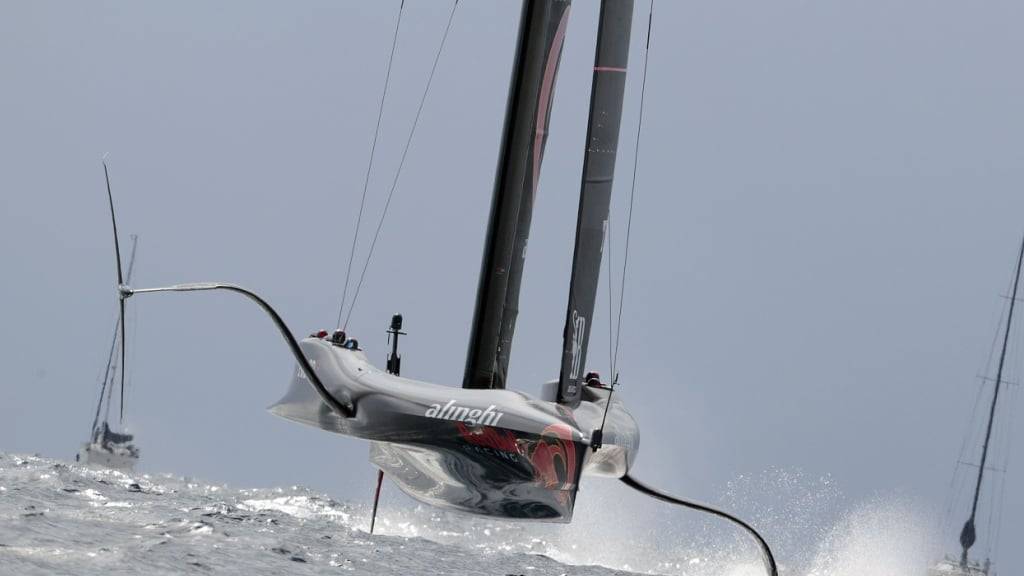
x=964, y=565
x=106, y=447
x=482, y=448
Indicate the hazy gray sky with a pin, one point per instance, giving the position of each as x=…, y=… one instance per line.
x=829, y=204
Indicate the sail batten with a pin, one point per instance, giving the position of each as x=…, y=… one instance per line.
x=538, y=52
x=608, y=87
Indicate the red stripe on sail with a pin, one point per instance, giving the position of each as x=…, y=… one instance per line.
x=546, y=93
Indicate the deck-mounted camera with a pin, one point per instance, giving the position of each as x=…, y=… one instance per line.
x=394, y=365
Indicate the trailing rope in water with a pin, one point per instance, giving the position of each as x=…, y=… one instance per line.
x=369, y=167
x=401, y=163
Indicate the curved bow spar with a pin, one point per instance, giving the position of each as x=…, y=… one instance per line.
x=481, y=448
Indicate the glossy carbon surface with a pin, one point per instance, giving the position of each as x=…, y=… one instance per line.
x=492, y=452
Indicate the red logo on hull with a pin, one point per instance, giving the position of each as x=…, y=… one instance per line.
x=489, y=437
x=554, y=459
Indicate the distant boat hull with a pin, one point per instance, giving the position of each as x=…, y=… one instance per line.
x=951, y=567
x=118, y=458
x=491, y=452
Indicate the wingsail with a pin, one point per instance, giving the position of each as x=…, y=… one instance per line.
x=541, y=33
x=609, y=84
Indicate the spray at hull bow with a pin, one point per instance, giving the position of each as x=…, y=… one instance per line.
x=491, y=452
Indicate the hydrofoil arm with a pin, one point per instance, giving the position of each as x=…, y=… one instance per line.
x=344, y=410
x=769, y=559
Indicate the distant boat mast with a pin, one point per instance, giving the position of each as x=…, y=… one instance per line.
x=968, y=535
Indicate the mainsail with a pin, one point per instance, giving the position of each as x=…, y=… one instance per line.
x=539, y=49
x=609, y=84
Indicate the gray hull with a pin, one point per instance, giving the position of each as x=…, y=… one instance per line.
x=115, y=458
x=492, y=452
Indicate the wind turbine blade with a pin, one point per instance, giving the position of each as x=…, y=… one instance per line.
x=121, y=322
x=131, y=259
x=120, y=279
x=113, y=221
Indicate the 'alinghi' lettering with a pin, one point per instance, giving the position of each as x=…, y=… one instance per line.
x=471, y=416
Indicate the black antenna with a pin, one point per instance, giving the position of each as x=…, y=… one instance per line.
x=394, y=365
x=968, y=535
x=597, y=436
x=120, y=282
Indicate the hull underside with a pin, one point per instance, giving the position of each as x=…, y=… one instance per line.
x=470, y=479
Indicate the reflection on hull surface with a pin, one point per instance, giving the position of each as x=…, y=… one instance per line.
x=466, y=479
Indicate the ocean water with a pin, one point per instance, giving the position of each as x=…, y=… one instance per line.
x=63, y=518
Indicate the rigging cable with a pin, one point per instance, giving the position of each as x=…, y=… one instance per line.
x=766, y=552
x=401, y=163
x=995, y=506
x=369, y=167
x=611, y=315
x=632, y=193
x=958, y=481
x=106, y=378
x=614, y=356
x=968, y=534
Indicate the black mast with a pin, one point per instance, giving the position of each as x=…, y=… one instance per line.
x=606, y=95
x=538, y=52
x=969, y=534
